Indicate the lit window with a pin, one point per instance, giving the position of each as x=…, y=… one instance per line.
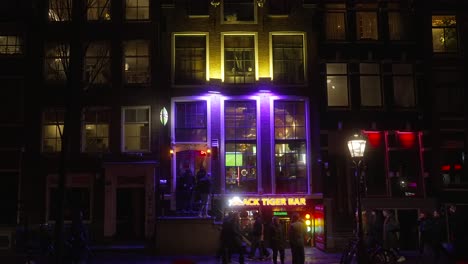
x=290, y=147
x=366, y=22
x=337, y=84
x=137, y=66
x=403, y=85
x=335, y=22
x=190, y=59
x=57, y=59
x=11, y=45
x=99, y=10
x=288, y=59
x=241, y=146
x=52, y=129
x=96, y=130
x=191, y=121
x=371, y=92
x=444, y=34
x=97, y=63
x=137, y=9
x=136, y=130
x=239, y=59
x=239, y=11
x=60, y=10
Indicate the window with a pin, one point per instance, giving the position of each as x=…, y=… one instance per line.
x=57, y=61
x=397, y=22
x=191, y=121
x=371, y=92
x=52, y=129
x=137, y=9
x=279, y=7
x=444, y=34
x=11, y=45
x=403, y=86
x=449, y=94
x=375, y=171
x=137, y=67
x=60, y=10
x=239, y=59
x=241, y=146
x=290, y=147
x=288, y=59
x=198, y=8
x=99, y=9
x=190, y=59
x=337, y=84
x=238, y=11
x=97, y=63
x=366, y=22
x=136, y=132
x=335, y=25
x=96, y=130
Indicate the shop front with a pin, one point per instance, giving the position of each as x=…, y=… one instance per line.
x=282, y=207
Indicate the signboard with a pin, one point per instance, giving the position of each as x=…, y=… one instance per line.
x=267, y=201
x=319, y=227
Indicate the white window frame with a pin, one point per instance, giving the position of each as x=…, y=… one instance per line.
x=307, y=139
x=123, y=129
x=173, y=117
x=255, y=34
x=207, y=53
x=304, y=53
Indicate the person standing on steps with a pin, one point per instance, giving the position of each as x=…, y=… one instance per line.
x=204, y=190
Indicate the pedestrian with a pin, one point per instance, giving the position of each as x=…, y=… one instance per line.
x=188, y=182
x=458, y=234
x=231, y=239
x=436, y=234
x=204, y=190
x=79, y=240
x=391, y=229
x=297, y=233
x=423, y=226
x=277, y=241
x=257, y=236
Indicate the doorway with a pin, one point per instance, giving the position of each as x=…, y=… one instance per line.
x=130, y=215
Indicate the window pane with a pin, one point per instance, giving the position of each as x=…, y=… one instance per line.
x=190, y=60
x=136, y=66
x=137, y=9
x=191, y=121
x=239, y=59
x=240, y=120
x=403, y=91
x=395, y=26
x=56, y=61
x=236, y=11
x=290, y=167
x=241, y=168
x=444, y=34
x=367, y=25
x=60, y=10
x=96, y=132
x=288, y=59
x=99, y=10
x=97, y=63
x=337, y=90
x=336, y=68
x=370, y=91
x=289, y=120
x=335, y=26
x=11, y=45
x=136, y=129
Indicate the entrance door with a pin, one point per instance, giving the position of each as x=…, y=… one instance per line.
x=192, y=161
x=130, y=213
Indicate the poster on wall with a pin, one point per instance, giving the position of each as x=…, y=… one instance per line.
x=319, y=227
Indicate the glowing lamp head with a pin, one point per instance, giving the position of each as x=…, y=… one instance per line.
x=308, y=222
x=307, y=216
x=357, y=146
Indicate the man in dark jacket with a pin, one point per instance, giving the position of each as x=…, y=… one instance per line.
x=297, y=233
x=277, y=241
x=257, y=236
x=391, y=227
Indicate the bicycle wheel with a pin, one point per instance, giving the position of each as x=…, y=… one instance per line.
x=383, y=256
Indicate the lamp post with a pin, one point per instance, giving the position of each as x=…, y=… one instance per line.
x=357, y=146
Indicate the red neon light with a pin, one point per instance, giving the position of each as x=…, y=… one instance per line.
x=407, y=139
x=457, y=167
x=203, y=153
x=374, y=138
x=445, y=167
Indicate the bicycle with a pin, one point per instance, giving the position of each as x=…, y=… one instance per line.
x=375, y=254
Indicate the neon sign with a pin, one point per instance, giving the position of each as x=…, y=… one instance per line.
x=267, y=201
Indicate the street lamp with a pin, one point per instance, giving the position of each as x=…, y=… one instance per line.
x=357, y=146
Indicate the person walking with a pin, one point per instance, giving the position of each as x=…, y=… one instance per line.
x=79, y=239
x=435, y=235
x=231, y=239
x=204, y=190
x=257, y=236
x=297, y=233
x=277, y=241
x=423, y=226
x=391, y=227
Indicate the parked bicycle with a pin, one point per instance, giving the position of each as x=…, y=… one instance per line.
x=375, y=254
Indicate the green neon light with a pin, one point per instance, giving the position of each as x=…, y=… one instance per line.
x=280, y=213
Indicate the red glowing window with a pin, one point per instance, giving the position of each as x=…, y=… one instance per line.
x=457, y=167
x=374, y=138
x=445, y=168
x=407, y=139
